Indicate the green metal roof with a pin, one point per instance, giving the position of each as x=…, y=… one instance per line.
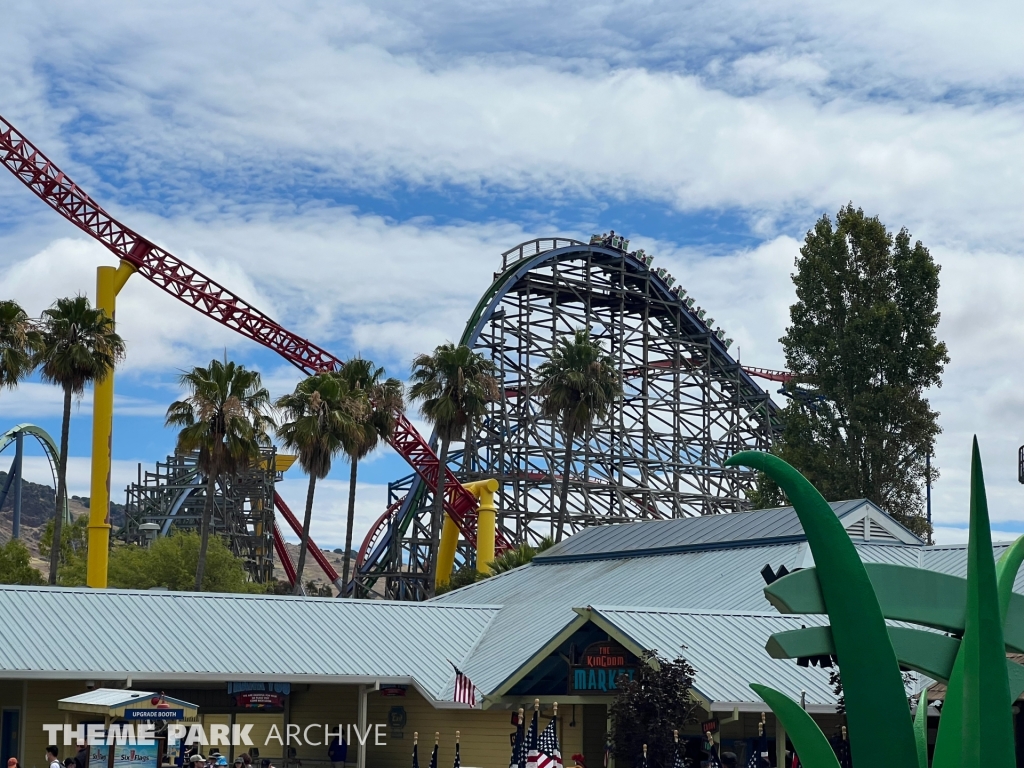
x=722, y=578
x=758, y=528
x=726, y=649
x=157, y=636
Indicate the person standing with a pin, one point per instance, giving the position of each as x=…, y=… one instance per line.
x=337, y=752
x=82, y=755
x=51, y=757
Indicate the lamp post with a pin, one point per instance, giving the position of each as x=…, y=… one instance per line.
x=149, y=531
x=928, y=487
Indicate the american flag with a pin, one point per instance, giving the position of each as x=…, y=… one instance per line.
x=678, y=759
x=548, y=753
x=433, y=757
x=531, y=743
x=756, y=760
x=457, y=760
x=642, y=762
x=842, y=749
x=465, y=691
x=415, y=755
x=518, y=759
x=713, y=761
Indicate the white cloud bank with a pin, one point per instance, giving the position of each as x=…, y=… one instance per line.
x=199, y=135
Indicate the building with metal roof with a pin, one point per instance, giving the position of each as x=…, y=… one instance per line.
x=137, y=635
x=564, y=628
x=691, y=587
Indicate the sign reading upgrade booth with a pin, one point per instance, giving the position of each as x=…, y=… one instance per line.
x=602, y=666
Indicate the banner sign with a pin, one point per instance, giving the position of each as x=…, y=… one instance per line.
x=99, y=755
x=602, y=667
x=154, y=713
x=136, y=755
x=392, y=690
x=709, y=726
x=259, y=700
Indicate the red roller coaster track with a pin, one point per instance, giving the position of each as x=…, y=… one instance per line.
x=767, y=373
x=190, y=286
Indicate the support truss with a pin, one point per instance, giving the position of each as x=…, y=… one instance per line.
x=174, y=495
x=687, y=407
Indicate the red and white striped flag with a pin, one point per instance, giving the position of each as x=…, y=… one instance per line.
x=548, y=755
x=465, y=691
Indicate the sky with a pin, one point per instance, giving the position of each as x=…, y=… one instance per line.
x=355, y=170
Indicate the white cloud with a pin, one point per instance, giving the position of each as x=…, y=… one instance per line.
x=269, y=99
x=948, y=535
x=33, y=400
x=122, y=473
x=213, y=138
x=330, y=509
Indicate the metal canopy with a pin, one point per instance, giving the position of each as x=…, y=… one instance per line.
x=120, y=703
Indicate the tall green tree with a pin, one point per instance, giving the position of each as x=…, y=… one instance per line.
x=16, y=566
x=171, y=562
x=20, y=341
x=74, y=550
x=318, y=416
x=511, y=559
x=78, y=346
x=225, y=418
x=453, y=385
x=578, y=387
x=383, y=398
x=648, y=708
x=862, y=341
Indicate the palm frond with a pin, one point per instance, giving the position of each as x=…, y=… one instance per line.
x=225, y=416
x=77, y=344
x=19, y=344
x=579, y=384
x=454, y=386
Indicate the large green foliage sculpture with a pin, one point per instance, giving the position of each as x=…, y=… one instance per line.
x=976, y=729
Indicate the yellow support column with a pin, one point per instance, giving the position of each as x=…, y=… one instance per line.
x=484, y=490
x=109, y=282
x=446, y=552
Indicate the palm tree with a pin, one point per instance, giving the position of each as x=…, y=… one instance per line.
x=78, y=345
x=226, y=419
x=521, y=555
x=454, y=385
x=578, y=386
x=318, y=417
x=19, y=344
x=376, y=423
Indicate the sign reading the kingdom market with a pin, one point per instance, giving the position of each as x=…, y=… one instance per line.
x=600, y=668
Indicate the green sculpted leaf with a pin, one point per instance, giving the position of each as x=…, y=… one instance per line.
x=921, y=729
x=949, y=742
x=1006, y=574
x=909, y=594
x=876, y=704
x=808, y=740
x=929, y=653
x=987, y=724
